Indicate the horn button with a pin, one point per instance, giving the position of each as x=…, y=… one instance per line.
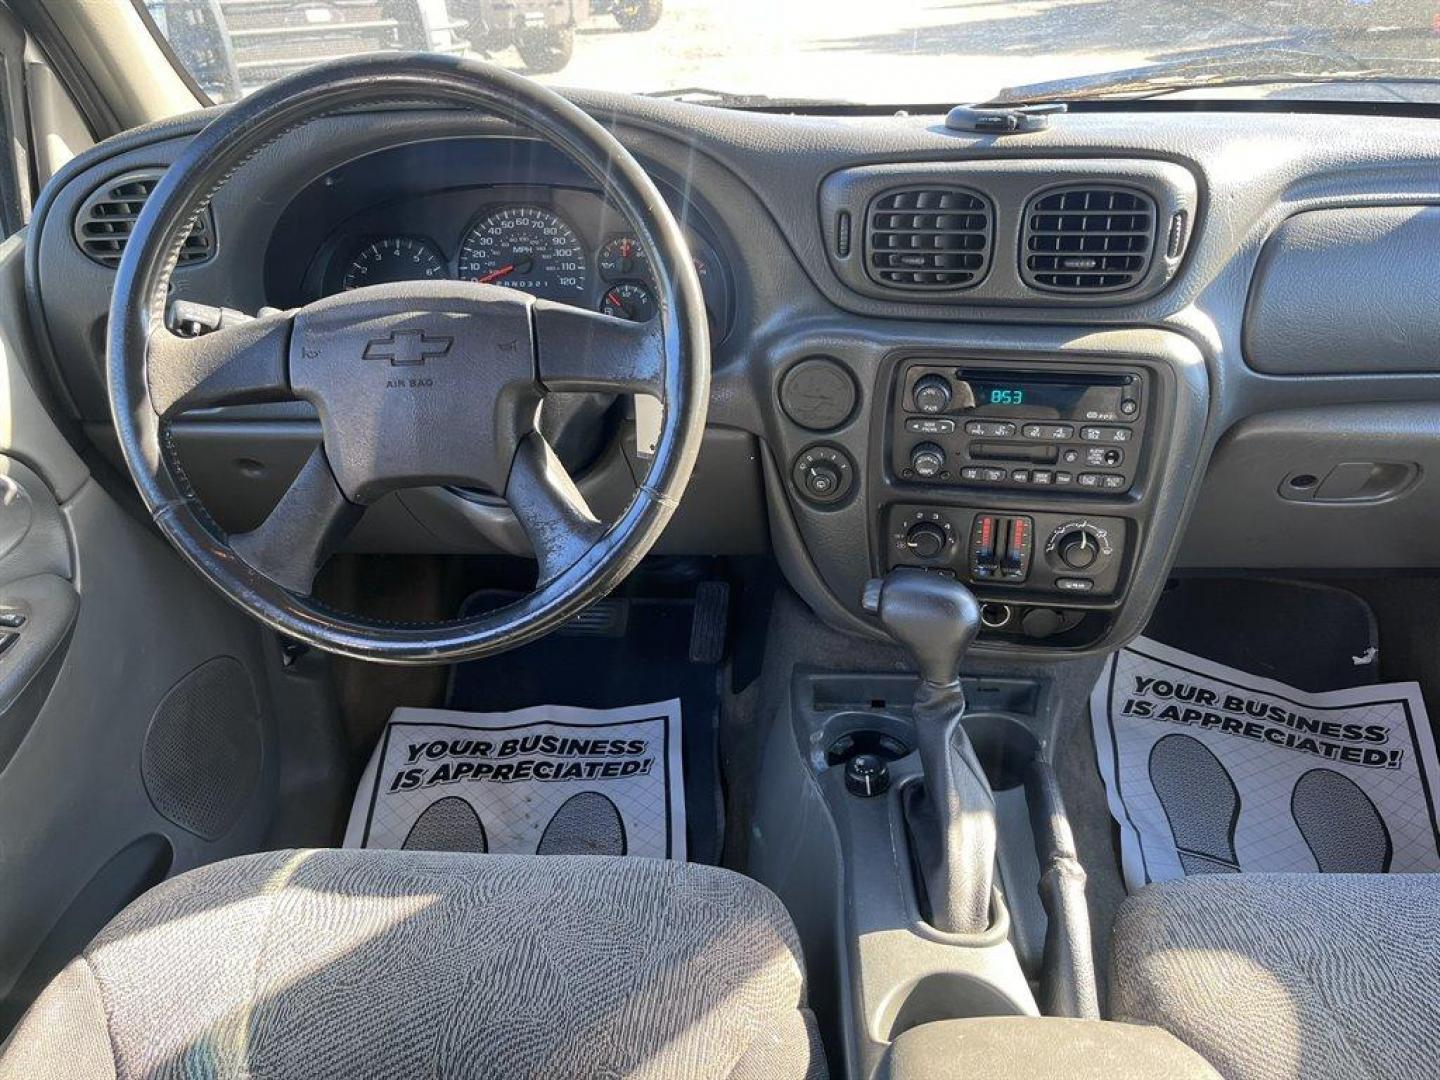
x=418, y=383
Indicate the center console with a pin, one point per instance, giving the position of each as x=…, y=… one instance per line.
x=968, y=428
x=1048, y=468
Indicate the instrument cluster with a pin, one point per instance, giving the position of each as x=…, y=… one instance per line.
x=560, y=244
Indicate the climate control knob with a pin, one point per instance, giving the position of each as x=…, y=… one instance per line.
x=932, y=394
x=1078, y=549
x=927, y=459
x=926, y=540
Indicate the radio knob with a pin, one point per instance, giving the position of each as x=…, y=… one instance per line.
x=927, y=460
x=1078, y=549
x=932, y=394
x=926, y=540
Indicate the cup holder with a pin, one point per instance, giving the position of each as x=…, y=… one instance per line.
x=882, y=744
x=1004, y=746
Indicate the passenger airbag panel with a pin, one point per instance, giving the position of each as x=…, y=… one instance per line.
x=1348, y=291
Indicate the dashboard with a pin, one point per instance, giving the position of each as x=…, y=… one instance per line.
x=1057, y=365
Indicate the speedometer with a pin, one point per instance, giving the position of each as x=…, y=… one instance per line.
x=526, y=248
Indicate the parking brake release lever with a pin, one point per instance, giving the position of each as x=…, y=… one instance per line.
x=951, y=818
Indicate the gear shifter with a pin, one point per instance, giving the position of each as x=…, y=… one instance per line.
x=952, y=817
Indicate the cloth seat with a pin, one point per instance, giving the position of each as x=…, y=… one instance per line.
x=348, y=964
x=1280, y=976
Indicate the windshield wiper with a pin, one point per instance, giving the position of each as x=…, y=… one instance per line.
x=725, y=99
x=1237, y=66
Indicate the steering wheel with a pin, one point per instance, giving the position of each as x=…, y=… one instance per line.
x=415, y=383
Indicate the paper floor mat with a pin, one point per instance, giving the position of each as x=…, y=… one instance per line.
x=543, y=780
x=1210, y=770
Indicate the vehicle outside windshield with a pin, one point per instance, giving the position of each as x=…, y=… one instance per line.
x=877, y=52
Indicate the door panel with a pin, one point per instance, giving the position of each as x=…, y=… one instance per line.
x=133, y=700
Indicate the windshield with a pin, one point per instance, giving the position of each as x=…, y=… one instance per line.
x=875, y=52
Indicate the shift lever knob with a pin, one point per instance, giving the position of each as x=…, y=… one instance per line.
x=934, y=618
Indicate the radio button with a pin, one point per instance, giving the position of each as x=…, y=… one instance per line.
x=1106, y=434
x=927, y=460
x=1064, y=479
x=1090, y=479
x=1113, y=482
x=1108, y=456
x=990, y=429
x=1049, y=432
x=919, y=425
x=994, y=476
x=932, y=393
x=1020, y=476
x=1042, y=477
x=1070, y=457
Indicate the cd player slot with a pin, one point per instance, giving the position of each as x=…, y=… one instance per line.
x=1035, y=455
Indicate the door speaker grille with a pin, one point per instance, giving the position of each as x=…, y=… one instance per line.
x=202, y=752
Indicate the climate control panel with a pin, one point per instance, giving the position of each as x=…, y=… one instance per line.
x=982, y=425
x=1031, y=552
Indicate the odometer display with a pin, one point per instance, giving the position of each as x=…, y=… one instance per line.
x=526, y=248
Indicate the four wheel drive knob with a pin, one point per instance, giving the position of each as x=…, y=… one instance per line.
x=867, y=775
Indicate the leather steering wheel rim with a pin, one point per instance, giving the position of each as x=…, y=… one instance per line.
x=154, y=374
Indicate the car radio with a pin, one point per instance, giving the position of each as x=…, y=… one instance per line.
x=973, y=424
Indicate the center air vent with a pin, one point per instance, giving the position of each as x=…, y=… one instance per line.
x=1088, y=239
x=928, y=238
x=105, y=220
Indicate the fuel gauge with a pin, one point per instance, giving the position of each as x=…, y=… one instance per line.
x=629, y=300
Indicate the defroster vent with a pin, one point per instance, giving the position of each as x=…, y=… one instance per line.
x=106, y=219
x=1088, y=239
x=928, y=238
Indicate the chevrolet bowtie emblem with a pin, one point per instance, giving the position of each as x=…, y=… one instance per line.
x=408, y=348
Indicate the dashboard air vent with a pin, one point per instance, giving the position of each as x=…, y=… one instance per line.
x=928, y=238
x=1088, y=239
x=105, y=220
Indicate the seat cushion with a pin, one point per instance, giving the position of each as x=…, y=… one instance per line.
x=1274, y=976
x=405, y=964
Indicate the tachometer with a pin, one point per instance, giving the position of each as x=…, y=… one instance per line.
x=394, y=258
x=526, y=248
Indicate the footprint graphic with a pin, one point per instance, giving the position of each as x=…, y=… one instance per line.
x=1345, y=832
x=448, y=824
x=586, y=824
x=1200, y=802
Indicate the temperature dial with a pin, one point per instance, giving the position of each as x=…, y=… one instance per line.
x=1079, y=546
x=1078, y=550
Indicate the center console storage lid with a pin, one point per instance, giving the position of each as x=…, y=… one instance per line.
x=1040, y=1048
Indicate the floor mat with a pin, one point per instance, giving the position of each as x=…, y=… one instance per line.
x=1250, y=623
x=621, y=651
x=1210, y=769
x=549, y=780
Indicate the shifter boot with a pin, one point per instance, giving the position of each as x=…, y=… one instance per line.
x=951, y=816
